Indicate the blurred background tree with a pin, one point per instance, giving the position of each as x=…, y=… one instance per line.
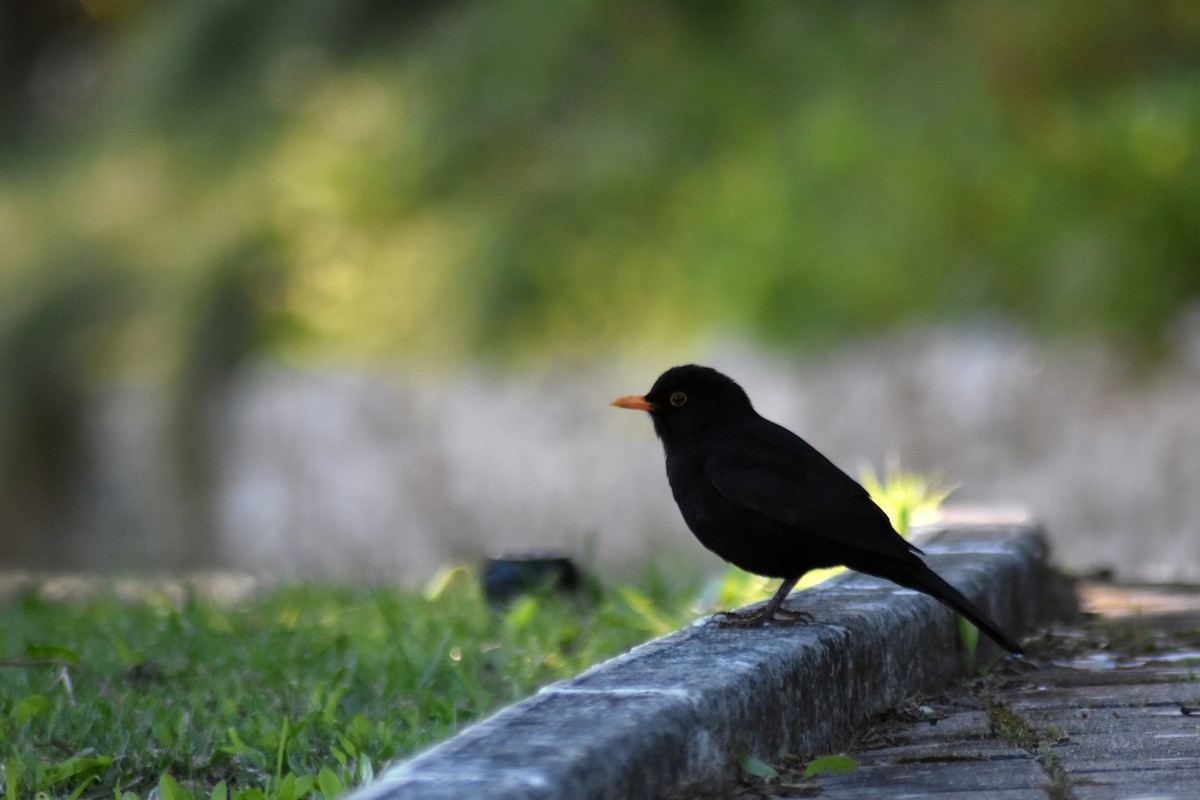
x=538, y=179
x=465, y=178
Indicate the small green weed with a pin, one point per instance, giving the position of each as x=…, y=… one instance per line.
x=755, y=767
x=836, y=764
x=1018, y=732
x=1011, y=727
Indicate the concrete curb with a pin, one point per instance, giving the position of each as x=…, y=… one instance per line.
x=678, y=709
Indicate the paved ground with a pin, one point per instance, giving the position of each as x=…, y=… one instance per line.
x=678, y=710
x=1102, y=706
x=1109, y=708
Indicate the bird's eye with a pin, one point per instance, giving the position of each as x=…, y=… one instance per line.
x=678, y=399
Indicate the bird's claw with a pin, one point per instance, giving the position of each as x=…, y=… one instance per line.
x=757, y=619
x=784, y=616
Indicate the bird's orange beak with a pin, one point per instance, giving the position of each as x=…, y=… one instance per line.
x=634, y=401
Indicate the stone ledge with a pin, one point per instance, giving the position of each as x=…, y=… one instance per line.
x=677, y=709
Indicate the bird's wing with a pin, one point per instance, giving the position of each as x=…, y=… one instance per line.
x=768, y=470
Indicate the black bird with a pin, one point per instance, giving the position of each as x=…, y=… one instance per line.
x=762, y=498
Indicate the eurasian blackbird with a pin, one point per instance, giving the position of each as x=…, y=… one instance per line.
x=762, y=498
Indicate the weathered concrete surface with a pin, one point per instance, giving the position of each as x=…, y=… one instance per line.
x=1108, y=741
x=1108, y=711
x=678, y=709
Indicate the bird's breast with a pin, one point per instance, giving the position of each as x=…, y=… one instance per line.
x=698, y=501
x=689, y=485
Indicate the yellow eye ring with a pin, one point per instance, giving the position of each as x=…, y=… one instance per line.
x=678, y=399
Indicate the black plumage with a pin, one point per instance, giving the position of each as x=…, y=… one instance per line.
x=762, y=498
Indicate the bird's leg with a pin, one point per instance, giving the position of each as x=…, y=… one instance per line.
x=756, y=619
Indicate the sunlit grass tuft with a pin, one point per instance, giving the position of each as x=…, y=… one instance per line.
x=908, y=498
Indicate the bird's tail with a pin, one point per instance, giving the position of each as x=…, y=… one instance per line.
x=923, y=579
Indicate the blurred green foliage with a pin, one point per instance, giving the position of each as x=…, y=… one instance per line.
x=465, y=178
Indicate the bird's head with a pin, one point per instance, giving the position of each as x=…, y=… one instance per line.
x=687, y=401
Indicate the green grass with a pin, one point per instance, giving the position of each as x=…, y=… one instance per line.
x=298, y=691
x=303, y=690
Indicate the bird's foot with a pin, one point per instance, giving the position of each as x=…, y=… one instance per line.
x=757, y=619
x=785, y=616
